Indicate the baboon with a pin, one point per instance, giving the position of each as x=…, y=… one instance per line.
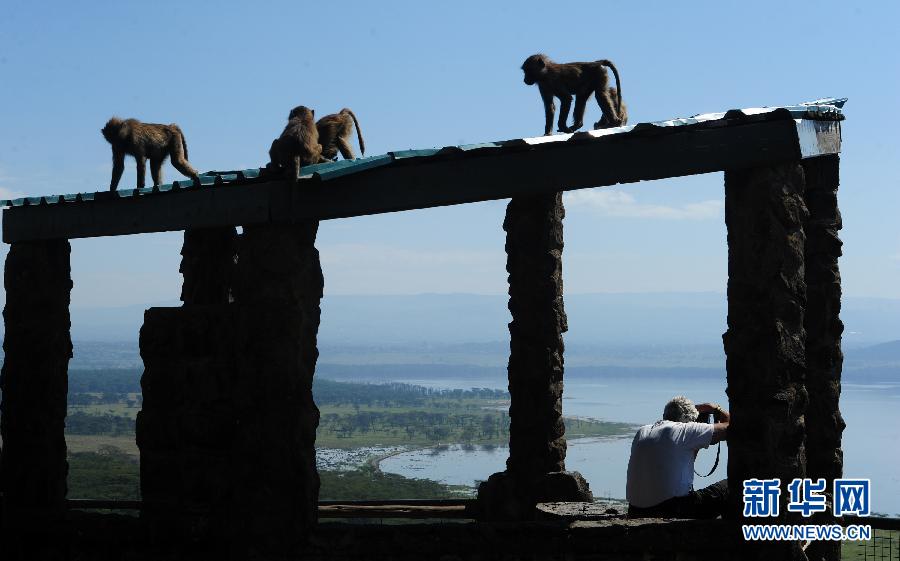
x=298, y=144
x=142, y=141
x=581, y=79
x=604, y=122
x=334, y=134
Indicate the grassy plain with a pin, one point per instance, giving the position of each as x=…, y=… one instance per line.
x=78, y=443
x=884, y=545
x=103, y=454
x=470, y=421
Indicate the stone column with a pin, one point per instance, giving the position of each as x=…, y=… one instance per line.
x=824, y=423
x=765, y=341
x=187, y=424
x=277, y=291
x=227, y=431
x=207, y=263
x=34, y=379
x=535, y=471
x=185, y=429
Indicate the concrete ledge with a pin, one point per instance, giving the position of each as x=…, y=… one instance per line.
x=114, y=537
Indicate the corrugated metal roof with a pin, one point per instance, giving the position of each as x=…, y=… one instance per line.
x=828, y=109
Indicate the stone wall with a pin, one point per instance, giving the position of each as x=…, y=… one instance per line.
x=208, y=259
x=824, y=423
x=278, y=290
x=765, y=344
x=121, y=539
x=227, y=433
x=187, y=425
x=34, y=380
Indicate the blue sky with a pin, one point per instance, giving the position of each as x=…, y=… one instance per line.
x=423, y=74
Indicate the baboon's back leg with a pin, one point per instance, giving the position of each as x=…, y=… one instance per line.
x=141, y=165
x=578, y=115
x=180, y=163
x=156, y=170
x=608, y=107
x=549, y=110
x=345, y=148
x=564, y=104
x=294, y=168
x=118, y=168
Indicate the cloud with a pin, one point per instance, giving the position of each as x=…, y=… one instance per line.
x=6, y=193
x=9, y=193
x=613, y=202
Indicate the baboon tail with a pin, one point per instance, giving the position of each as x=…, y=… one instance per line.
x=184, y=142
x=359, y=136
x=177, y=129
x=612, y=67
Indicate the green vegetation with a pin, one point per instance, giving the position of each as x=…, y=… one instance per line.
x=92, y=442
x=112, y=474
x=79, y=422
x=106, y=381
x=108, y=473
x=103, y=404
x=466, y=423
x=355, y=415
x=884, y=545
x=368, y=483
x=393, y=394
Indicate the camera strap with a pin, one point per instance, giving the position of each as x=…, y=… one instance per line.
x=715, y=464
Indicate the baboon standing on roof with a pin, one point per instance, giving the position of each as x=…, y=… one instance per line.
x=143, y=141
x=298, y=144
x=334, y=135
x=581, y=79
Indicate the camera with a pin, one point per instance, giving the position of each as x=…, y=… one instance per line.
x=710, y=417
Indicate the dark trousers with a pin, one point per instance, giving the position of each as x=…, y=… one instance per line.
x=708, y=502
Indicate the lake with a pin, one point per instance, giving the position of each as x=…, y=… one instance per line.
x=871, y=440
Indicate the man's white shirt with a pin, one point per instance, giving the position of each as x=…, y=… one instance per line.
x=662, y=461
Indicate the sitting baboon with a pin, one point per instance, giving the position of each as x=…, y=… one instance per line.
x=581, y=79
x=298, y=144
x=604, y=122
x=334, y=134
x=142, y=141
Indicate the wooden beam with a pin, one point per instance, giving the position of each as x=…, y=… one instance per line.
x=446, y=179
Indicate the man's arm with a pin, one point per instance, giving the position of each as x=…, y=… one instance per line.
x=720, y=429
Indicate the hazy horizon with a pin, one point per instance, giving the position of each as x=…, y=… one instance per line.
x=687, y=318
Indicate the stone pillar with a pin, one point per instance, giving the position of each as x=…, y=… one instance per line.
x=34, y=379
x=824, y=423
x=186, y=427
x=277, y=290
x=187, y=424
x=207, y=263
x=227, y=432
x=535, y=471
x=765, y=341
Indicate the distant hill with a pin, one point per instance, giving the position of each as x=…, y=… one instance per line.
x=883, y=353
x=642, y=319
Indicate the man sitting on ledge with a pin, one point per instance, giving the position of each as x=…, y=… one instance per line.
x=661, y=468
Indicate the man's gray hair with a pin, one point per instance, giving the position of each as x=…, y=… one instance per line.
x=680, y=409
